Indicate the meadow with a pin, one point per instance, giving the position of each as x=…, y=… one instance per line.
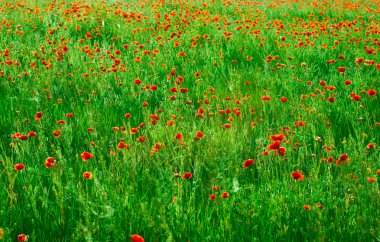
x=178, y=120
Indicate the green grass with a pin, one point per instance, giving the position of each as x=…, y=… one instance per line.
x=140, y=190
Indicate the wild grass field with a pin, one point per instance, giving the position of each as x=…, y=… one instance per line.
x=178, y=120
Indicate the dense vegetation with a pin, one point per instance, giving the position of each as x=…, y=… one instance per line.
x=189, y=120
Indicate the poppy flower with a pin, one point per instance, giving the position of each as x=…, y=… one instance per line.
x=266, y=98
x=187, y=175
x=275, y=145
x=86, y=156
x=275, y=137
x=212, y=197
x=179, y=136
x=199, y=134
x=87, y=175
x=134, y=130
x=50, y=160
x=127, y=115
x=32, y=133
x=331, y=99
x=225, y=195
x=183, y=90
x=371, y=92
x=122, y=145
x=22, y=238
x=137, y=238
x=141, y=139
x=371, y=146
x=306, y=207
x=38, y=116
x=57, y=133
x=282, y=151
x=283, y=99
x=342, y=158
x=19, y=167
x=371, y=180
x=248, y=163
x=299, y=123
x=23, y=137
x=297, y=175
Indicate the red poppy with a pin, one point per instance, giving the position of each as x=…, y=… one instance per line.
x=371, y=180
x=38, y=116
x=50, y=160
x=275, y=145
x=297, y=175
x=341, y=69
x=199, y=134
x=371, y=146
x=127, y=115
x=23, y=137
x=19, y=167
x=306, y=207
x=347, y=82
x=86, y=156
x=134, y=130
x=331, y=99
x=87, y=175
x=183, y=90
x=342, y=158
x=141, y=139
x=179, y=136
x=88, y=35
x=248, y=163
x=283, y=99
x=275, y=137
x=212, y=197
x=122, y=145
x=137, y=238
x=60, y=121
x=371, y=92
x=187, y=175
x=22, y=238
x=299, y=123
x=57, y=133
x=32, y=134
x=225, y=195
x=282, y=151
x=266, y=98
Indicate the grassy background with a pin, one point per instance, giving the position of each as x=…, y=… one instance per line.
x=134, y=191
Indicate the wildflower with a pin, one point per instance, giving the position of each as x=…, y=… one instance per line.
x=199, y=135
x=306, y=207
x=277, y=137
x=19, y=167
x=179, y=136
x=248, y=163
x=137, y=238
x=32, y=134
x=87, y=175
x=370, y=146
x=134, y=130
x=141, y=139
x=49, y=162
x=283, y=99
x=342, y=158
x=371, y=180
x=122, y=145
x=187, y=175
x=371, y=92
x=275, y=145
x=86, y=156
x=38, y=116
x=212, y=197
x=297, y=175
x=57, y=133
x=225, y=195
x=22, y=238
